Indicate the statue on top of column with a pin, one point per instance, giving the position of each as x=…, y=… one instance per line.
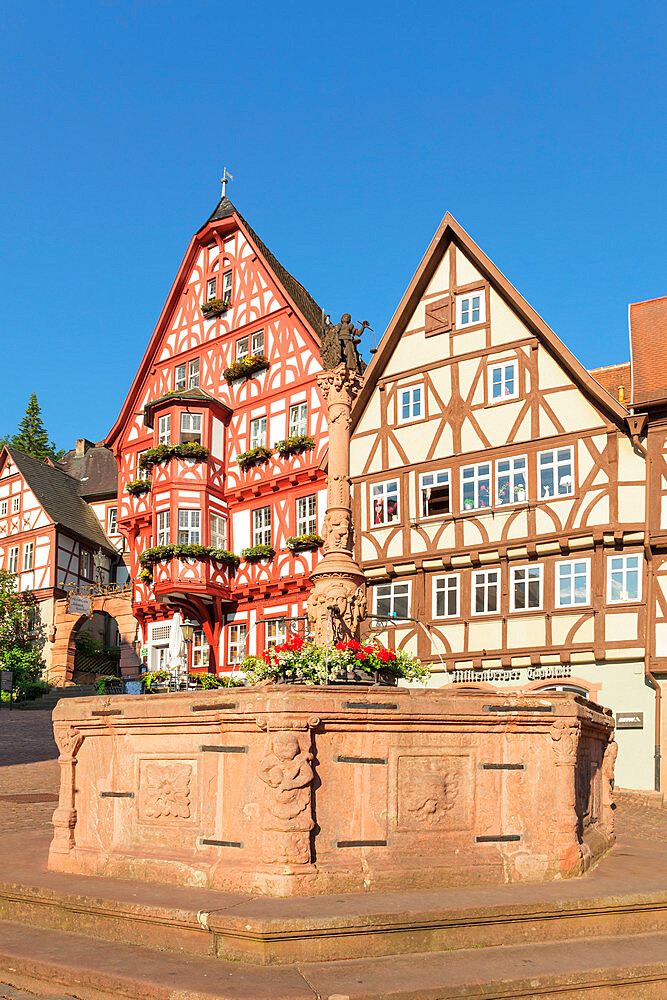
x=339, y=344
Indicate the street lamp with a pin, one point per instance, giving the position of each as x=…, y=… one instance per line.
x=188, y=628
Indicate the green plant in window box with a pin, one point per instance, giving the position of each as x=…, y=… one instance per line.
x=137, y=487
x=257, y=552
x=187, y=551
x=246, y=367
x=165, y=452
x=294, y=445
x=213, y=681
x=256, y=456
x=215, y=307
x=154, y=677
x=299, y=543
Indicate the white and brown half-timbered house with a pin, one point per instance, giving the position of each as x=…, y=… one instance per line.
x=230, y=372
x=500, y=494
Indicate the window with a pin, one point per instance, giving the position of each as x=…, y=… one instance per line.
x=258, y=432
x=164, y=429
x=34, y=620
x=392, y=600
x=190, y=427
x=298, y=420
x=306, y=515
x=180, y=377
x=410, y=403
x=237, y=635
x=434, y=493
x=573, y=583
x=163, y=527
x=258, y=342
x=227, y=286
x=193, y=374
x=446, y=596
x=3, y=508
x=13, y=559
x=250, y=345
x=85, y=564
x=384, y=502
x=470, y=308
x=511, y=480
x=476, y=486
x=112, y=521
x=276, y=632
x=261, y=526
x=624, y=582
x=242, y=348
x=526, y=588
x=555, y=473
x=16, y=503
x=218, y=527
x=200, y=648
x=142, y=473
x=485, y=591
x=188, y=527
x=503, y=381
x=211, y=289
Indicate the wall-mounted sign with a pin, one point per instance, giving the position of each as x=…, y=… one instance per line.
x=521, y=675
x=78, y=604
x=6, y=680
x=629, y=720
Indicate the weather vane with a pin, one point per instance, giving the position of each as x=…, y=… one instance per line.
x=225, y=177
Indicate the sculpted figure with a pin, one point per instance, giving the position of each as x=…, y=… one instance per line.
x=98, y=562
x=287, y=821
x=336, y=530
x=339, y=344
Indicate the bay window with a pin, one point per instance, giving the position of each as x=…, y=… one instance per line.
x=189, y=527
x=191, y=427
x=218, y=527
x=163, y=527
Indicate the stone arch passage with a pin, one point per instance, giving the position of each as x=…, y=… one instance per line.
x=67, y=625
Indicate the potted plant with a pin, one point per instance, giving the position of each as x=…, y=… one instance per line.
x=257, y=552
x=300, y=543
x=468, y=503
x=294, y=445
x=192, y=451
x=246, y=367
x=155, y=681
x=208, y=681
x=256, y=456
x=215, y=307
x=520, y=494
x=137, y=487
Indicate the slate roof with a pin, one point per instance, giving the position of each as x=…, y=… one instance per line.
x=614, y=377
x=301, y=298
x=96, y=471
x=59, y=495
x=648, y=343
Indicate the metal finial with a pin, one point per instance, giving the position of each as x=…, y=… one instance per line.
x=226, y=176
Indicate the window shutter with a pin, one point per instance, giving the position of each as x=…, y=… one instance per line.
x=439, y=315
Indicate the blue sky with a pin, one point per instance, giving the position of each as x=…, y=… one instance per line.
x=350, y=129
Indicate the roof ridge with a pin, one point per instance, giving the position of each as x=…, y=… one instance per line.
x=43, y=464
x=606, y=368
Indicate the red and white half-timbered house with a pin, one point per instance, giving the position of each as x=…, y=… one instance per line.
x=230, y=370
x=501, y=501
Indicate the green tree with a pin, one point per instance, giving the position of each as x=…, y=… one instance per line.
x=17, y=652
x=32, y=437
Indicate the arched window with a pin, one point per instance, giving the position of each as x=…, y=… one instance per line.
x=566, y=687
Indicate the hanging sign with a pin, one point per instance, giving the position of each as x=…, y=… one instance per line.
x=78, y=604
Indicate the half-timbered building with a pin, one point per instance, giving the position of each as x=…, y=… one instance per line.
x=218, y=445
x=501, y=501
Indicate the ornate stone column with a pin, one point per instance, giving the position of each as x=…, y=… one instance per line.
x=64, y=818
x=338, y=599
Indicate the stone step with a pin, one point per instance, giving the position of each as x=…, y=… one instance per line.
x=48, y=701
x=627, y=968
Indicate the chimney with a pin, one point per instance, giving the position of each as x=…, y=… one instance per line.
x=82, y=446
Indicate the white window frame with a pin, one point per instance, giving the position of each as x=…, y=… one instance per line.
x=398, y=591
x=275, y=632
x=189, y=526
x=194, y=427
x=261, y=526
x=29, y=556
x=555, y=463
x=200, y=648
x=242, y=348
x=3, y=508
x=442, y=586
x=514, y=475
x=112, y=521
x=382, y=493
x=211, y=289
x=16, y=504
x=227, y=286
x=410, y=403
x=180, y=376
x=624, y=576
x=85, y=564
x=530, y=573
x=298, y=420
x=258, y=427
x=238, y=632
x=13, y=559
x=257, y=342
x=502, y=367
x=164, y=429
x=478, y=479
x=462, y=323
x=163, y=527
x=481, y=578
x=572, y=563
x=144, y=474
x=218, y=531
x=193, y=373
x=306, y=514
x=440, y=477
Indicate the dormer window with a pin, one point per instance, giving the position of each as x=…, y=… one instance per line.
x=227, y=286
x=211, y=289
x=470, y=309
x=190, y=427
x=503, y=381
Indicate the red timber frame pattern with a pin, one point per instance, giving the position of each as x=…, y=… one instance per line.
x=263, y=298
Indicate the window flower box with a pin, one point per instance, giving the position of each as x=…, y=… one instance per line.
x=137, y=487
x=165, y=452
x=256, y=456
x=294, y=445
x=215, y=307
x=246, y=367
x=301, y=543
x=257, y=552
x=161, y=552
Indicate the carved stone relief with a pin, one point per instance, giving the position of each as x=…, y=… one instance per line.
x=433, y=793
x=286, y=772
x=165, y=790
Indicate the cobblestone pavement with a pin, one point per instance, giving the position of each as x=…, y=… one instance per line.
x=29, y=770
x=641, y=822
x=14, y=993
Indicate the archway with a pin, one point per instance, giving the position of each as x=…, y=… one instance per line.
x=116, y=606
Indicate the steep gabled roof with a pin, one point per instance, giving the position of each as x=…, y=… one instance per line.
x=59, y=495
x=613, y=378
x=448, y=232
x=648, y=343
x=301, y=300
x=95, y=469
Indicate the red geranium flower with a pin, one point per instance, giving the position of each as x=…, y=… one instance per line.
x=341, y=646
x=354, y=645
x=361, y=656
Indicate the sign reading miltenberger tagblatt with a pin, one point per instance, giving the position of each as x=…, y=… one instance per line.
x=78, y=604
